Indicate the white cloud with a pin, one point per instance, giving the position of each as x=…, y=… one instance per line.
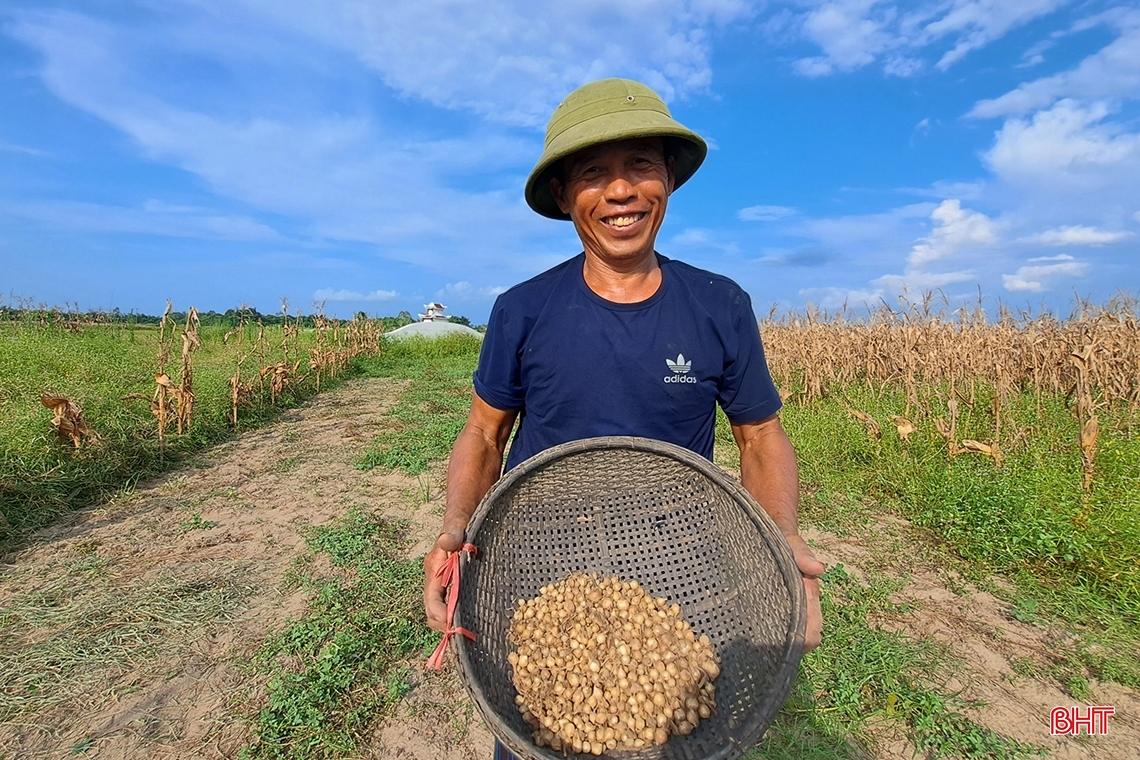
x=8, y=147
x=765, y=213
x=464, y=290
x=856, y=33
x=957, y=232
x=153, y=218
x=350, y=178
x=956, y=228
x=328, y=294
x=1068, y=147
x=980, y=22
x=692, y=236
x=903, y=67
x=1034, y=55
x=1077, y=235
x=946, y=189
x=1030, y=278
x=848, y=34
x=914, y=281
x=512, y=60
x=1111, y=72
x=818, y=66
x=838, y=298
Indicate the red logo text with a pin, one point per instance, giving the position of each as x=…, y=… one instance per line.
x=1068, y=721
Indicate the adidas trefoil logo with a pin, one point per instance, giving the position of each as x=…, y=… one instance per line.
x=680, y=369
x=680, y=366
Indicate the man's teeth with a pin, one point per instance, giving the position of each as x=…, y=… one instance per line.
x=624, y=221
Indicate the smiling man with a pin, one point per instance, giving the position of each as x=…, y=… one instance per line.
x=620, y=340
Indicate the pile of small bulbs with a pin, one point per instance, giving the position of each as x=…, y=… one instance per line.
x=601, y=665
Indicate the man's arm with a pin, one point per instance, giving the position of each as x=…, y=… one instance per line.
x=476, y=463
x=769, y=472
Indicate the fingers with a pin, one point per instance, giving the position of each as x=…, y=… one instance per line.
x=435, y=599
x=806, y=560
x=811, y=568
x=435, y=602
x=449, y=540
x=813, y=633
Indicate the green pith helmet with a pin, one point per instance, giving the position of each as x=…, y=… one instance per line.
x=606, y=111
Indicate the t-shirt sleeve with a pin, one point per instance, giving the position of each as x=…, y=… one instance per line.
x=747, y=392
x=498, y=378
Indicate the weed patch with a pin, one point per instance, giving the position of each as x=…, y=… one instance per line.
x=335, y=671
x=860, y=675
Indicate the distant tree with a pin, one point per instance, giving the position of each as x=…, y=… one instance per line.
x=460, y=320
x=404, y=318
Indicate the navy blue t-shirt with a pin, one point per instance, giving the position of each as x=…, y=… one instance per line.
x=579, y=366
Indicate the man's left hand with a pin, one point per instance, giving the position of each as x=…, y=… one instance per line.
x=811, y=568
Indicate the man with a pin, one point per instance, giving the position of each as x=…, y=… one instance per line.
x=589, y=348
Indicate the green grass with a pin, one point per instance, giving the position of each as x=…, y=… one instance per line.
x=1072, y=558
x=41, y=478
x=334, y=672
x=432, y=411
x=862, y=677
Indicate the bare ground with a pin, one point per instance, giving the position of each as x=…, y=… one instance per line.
x=226, y=528
x=986, y=639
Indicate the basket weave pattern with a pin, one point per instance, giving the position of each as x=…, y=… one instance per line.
x=652, y=512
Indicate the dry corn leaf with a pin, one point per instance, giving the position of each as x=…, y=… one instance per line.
x=869, y=423
x=1089, y=433
x=990, y=450
x=67, y=419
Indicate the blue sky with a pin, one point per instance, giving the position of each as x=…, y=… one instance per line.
x=371, y=154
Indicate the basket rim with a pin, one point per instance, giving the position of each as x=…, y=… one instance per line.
x=521, y=745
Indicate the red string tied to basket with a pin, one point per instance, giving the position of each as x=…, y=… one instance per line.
x=448, y=573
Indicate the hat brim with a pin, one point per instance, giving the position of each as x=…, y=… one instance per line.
x=687, y=149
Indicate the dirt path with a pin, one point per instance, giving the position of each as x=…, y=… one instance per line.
x=163, y=593
x=229, y=523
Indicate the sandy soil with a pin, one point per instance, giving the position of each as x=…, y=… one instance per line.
x=186, y=694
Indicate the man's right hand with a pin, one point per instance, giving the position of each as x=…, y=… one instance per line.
x=435, y=599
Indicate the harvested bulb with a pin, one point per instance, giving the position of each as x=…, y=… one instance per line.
x=600, y=665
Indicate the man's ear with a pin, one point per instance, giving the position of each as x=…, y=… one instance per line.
x=558, y=192
x=671, y=174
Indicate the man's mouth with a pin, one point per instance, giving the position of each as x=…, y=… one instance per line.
x=625, y=220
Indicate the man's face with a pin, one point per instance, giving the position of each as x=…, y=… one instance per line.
x=616, y=195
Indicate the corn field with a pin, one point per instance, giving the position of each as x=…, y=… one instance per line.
x=945, y=360
x=126, y=399
x=916, y=348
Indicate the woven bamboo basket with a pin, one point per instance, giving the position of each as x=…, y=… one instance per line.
x=648, y=511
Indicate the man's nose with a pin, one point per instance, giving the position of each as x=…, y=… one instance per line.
x=620, y=190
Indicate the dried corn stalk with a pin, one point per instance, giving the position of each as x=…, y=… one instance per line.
x=185, y=395
x=1086, y=413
